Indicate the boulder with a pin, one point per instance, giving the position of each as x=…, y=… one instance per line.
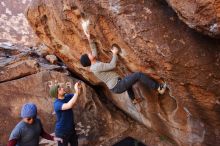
x=201, y=15
x=28, y=78
x=14, y=26
x=154, y=41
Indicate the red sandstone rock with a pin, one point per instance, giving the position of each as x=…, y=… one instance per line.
x=27, y=78
x=202, y=15
x=14, y=26
x=153, y=41
x=52, y=59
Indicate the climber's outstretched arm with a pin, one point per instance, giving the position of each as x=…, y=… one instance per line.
x=109, y=66
x=92, y=46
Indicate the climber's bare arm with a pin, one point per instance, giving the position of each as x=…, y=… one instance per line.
x=92, y=45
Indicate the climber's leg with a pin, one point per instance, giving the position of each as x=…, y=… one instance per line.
x=150, y=83
x=127, y=82
x=120, y=88
x=131, y=93
x=143, y=78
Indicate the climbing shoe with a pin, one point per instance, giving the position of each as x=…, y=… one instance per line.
x=137, y=100
x=162, y=88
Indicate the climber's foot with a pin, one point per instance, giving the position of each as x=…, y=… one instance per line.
x=162, y=88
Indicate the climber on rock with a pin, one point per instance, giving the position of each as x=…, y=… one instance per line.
x=65, y=127
x=28, y=131
x=105, y=72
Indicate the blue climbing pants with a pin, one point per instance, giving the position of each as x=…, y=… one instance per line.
x=126, y=83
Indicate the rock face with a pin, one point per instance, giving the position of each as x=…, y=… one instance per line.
x=154, y=42
x=202, y=15
x=26, y=77
x=14, y=26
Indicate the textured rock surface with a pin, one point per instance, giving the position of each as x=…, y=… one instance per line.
x=14, y=26
x=153, y=41
x=26, y=77
x=202, y=15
